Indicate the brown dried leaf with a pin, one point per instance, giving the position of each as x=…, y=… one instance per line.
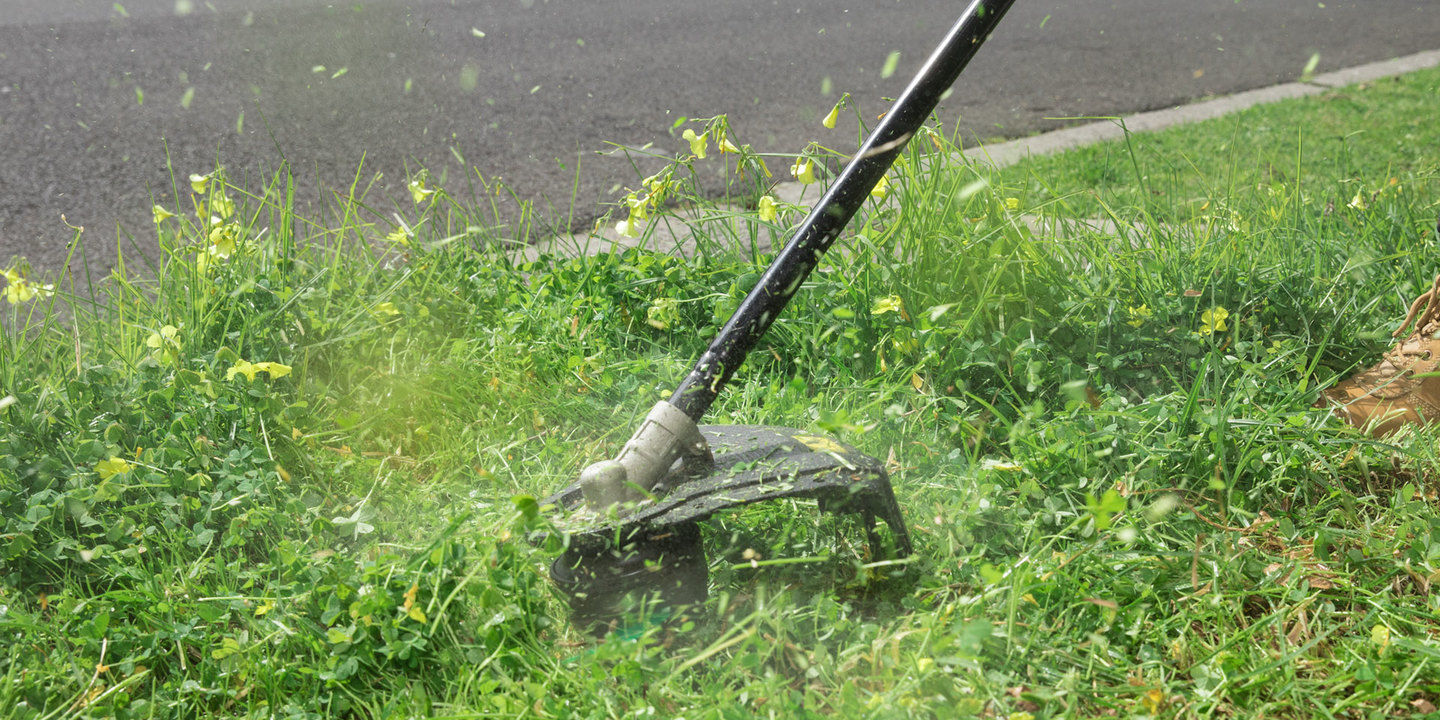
x=1262, y=521
x=1300, y=629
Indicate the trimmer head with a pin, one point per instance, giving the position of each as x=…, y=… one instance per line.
x=655, y=546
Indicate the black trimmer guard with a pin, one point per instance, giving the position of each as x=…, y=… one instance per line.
x=656, y=547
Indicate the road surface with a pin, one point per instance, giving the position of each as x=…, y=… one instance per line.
x=102, y=104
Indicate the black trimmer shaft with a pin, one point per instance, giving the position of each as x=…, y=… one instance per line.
x=824, y=224
x=669, y=433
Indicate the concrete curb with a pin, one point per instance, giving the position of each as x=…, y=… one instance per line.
x=1012, y=151
x=1378, y=70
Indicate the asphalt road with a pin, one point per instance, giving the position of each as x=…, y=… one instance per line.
x=98, y=103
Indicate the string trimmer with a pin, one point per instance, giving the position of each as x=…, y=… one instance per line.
x=632, y=523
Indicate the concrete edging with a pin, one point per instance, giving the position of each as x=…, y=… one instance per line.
x=1012, y=151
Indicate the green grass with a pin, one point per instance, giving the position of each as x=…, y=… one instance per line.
x=1116, y=512
x=1339, y=146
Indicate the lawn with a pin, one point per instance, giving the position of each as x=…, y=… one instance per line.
x=1344, y=145
x=290, y=470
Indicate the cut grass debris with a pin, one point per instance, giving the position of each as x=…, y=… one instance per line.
x=291, y=472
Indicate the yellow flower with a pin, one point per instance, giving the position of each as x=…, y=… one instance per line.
x=1213, y=320
x=629, y=227
x=727, y=147
x=889, y=304
x=1012, y=203
x=384, y=309
x=1358, y=202
x=161, y=214
x=19, y=290
x=639, y=206
x=767, y=209
x=881, y=188
x=399, y=237
x=112, y=467
x=412, y=610
x=829, y=121
x=418, y=192
x=274, y=369
x=223, y=238
x=249, y=369
x=697, y=142
x=199, y=183
x=221, y=205
x=803, y=170
x=1138, y=315
x=244, y=367
x=1153, y=700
